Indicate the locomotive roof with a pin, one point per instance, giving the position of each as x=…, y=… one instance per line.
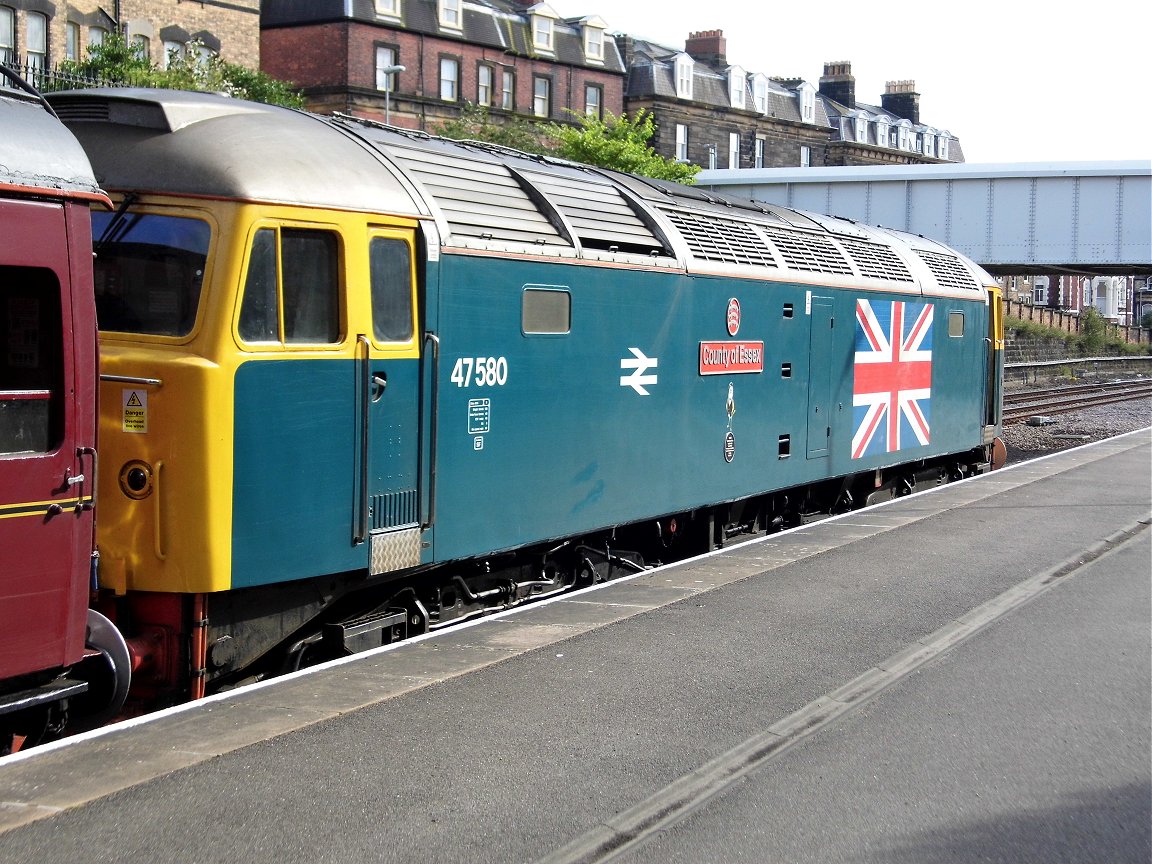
x=38, y=154
x=485, y=197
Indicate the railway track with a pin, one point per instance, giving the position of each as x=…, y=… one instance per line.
x=1020, y=406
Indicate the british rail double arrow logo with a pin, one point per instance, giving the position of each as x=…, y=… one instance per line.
x=638, y=380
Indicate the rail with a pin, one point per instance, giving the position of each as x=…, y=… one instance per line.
x=1022, y=405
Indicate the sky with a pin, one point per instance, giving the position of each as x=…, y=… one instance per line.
x=1014, y=81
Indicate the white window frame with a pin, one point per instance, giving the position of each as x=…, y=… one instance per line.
x=543, y=33
x=942, y=147
x=733, y=149
x=72, y=41
x=388, y=8
x=485, y=81
x=541, y=96
x=142, y=45
x=805, y=156
x=594, y=44
x=593, y=101
x=758, y=153
x=807, y=97
x=760, y=93
x=385, y=57
x=36, y=50
x=507, y=89
x=861, y=129
x=681, y=142
x=450, y=14
x=7, y=34
x=96, y=36
x=169, y=47
x=449, y=79
x=737, y=87
x=882, y=135
x=684, y=73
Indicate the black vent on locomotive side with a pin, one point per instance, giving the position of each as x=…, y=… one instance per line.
x=714, y=239
x=876, y=261
x=949, y=270
x=811, y=253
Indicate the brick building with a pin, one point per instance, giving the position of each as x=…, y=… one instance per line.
x=719, y=115
x=516, y=59
x=42, y=33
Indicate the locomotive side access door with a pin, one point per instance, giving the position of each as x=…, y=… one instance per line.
x=390, y=377
x=822, y=324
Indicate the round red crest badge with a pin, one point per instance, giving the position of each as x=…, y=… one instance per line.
x=733, y=317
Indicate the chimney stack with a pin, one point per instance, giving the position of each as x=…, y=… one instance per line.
x=709, y=47
x=838, y=84
x=901, y=99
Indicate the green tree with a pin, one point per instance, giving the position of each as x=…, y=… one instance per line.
x=1093, y=331
x=620, y=143
x=475, y=124
x=115, y=61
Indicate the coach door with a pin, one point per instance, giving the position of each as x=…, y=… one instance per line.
x=47, y=364
x=820, y=362
x=389, y=369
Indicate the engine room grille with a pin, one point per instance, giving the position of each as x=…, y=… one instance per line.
x=808, y=252
x=948, y=270
x=479, y=199
x=716, y=239
x=877, y=261
x=599, y=214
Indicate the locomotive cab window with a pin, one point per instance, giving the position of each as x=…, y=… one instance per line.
x=31, y=361
x=292, y=290
x=148, y=271
x=390, y=265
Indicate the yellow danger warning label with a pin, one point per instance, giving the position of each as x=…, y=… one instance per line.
x=135, y=414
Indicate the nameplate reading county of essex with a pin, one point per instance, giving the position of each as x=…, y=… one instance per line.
x=728, y=358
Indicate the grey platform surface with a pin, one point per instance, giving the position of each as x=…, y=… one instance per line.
x=961, y=675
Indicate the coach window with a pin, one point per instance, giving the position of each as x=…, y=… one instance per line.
x=291, y=293
x=31, y=369
x=546, y=311
x=390, y=265
x=955, y=323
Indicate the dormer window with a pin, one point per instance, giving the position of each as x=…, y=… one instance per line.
x=542, y=20
x=904, y=139
x=760, y=93
x=942, y=146
x=861, y=129
x=736, y=86
x=882, y=132
x=542, y=32
x=388, y=8
x=450, y=15
x=928, y=142
x=807, y=96
x=684, y=67
x=594, y=28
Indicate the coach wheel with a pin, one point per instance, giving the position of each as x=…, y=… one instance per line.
x=108, y=670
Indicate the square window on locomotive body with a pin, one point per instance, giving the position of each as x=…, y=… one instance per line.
x=32, y=347
x=546, y=311
x=955, y=323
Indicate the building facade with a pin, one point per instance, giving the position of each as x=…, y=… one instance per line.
x=717, y=114
x=40, y=34
x=417, y=63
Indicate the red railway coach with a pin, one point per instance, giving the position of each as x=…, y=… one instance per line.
x=56, y=658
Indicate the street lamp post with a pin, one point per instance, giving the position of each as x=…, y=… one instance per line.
x=388, y=72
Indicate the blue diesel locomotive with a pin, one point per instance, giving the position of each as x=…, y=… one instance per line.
x=359, y=382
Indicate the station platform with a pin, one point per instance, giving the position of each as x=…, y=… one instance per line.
x=958, y=675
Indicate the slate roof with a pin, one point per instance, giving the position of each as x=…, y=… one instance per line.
x=495, y=23
x=653, y=74
x=836, y=111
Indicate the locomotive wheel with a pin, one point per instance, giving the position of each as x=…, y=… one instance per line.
x=108, y=671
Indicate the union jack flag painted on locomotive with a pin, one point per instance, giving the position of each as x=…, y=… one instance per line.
x=892, y=376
